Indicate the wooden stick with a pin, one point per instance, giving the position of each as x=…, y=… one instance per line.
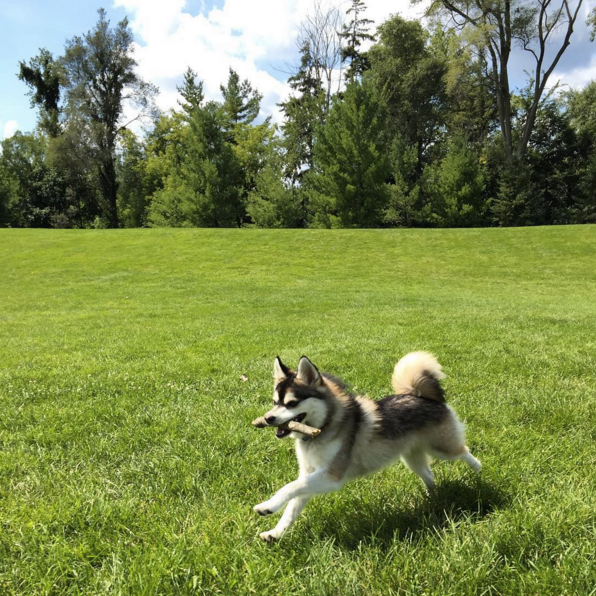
x=292, y=425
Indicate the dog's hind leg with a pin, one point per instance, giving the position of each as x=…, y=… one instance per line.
x=462, y=453
x=471, y=461
x=290, y=515
x=417, y=461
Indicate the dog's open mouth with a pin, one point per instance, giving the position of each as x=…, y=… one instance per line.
x=280, y=433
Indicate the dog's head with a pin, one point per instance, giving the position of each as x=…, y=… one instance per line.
x=299, y=396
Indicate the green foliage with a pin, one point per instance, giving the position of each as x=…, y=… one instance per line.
x=44, y=76
x=544, y=187
x=410, y=76
x=455, y=187
x=132, y=176
x=272, y=204
x=303, y=112
x=352, y=163
x=191, y=92
x=204, y=188
x=241, y=102
x=354, y=33
x=581, y=110
x=421, y=136
x=404, y=208
x=33, y=193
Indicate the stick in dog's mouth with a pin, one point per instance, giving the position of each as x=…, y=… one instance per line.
x=292, y=425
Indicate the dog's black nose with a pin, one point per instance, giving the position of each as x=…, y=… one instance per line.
x=270, y=419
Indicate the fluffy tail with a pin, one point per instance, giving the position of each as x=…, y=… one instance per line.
x=418, y=373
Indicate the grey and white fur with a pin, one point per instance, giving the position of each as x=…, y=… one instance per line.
x=360, y=435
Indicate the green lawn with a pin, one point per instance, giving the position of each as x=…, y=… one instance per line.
x=128, y=464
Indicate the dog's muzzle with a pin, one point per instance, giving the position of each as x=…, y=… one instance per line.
x=281, y=433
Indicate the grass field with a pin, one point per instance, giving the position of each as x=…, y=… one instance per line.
x=128, y=464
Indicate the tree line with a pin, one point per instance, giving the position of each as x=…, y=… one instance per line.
x=423, y=129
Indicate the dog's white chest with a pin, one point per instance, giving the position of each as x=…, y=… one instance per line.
x=314, y=456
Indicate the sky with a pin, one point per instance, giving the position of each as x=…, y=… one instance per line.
x=257, y=38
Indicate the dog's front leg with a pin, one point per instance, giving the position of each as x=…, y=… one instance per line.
x=310, y=485
x=293, y=510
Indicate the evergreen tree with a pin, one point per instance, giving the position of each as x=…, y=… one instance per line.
x=274, y=203
x=241, y=103
x=455, y=189
x=192, y=92
x=354, y=33
x=303, y=112
x=204, y=190
x=352, y=162
x=404, y=208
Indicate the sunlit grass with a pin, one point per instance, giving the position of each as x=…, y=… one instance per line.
x=128, y=464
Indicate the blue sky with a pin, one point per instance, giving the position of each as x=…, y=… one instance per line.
x=28, y=25
x=256, y=38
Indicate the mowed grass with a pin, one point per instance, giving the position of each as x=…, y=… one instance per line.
x=128, y=464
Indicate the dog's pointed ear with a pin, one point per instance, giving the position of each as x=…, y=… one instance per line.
x=308, y=373
x=280, y=370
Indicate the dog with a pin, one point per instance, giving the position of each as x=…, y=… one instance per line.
x=359, y=435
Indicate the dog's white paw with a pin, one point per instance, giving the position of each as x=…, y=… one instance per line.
x=269, y=537
x=263, y=508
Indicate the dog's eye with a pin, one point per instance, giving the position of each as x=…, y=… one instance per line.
x=291, y=404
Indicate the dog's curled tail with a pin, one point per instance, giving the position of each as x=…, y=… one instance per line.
x=418, y=373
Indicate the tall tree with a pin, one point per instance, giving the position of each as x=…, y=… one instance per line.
x=191, y=92
x=352, y=162
x=536, y=25
x=44, y=77
x=202, y=185
x=241, y=103
x=101, y=83
x=354, y=33
x=320, y=33
x=303, y=112
x=410, y=76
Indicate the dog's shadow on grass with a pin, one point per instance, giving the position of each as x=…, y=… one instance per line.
x=452, y=502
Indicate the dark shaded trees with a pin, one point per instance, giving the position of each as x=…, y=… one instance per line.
x=33, y=192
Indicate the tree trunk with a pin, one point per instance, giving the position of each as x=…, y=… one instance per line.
x=109, y=191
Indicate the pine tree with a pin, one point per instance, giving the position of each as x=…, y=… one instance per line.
x=241, y=103
x=203, y=185
x=352, y=161
x=354, y=33
x=192, y=93
x=303, y=112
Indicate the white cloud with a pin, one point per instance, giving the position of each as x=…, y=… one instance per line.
x=255, y=37
x=246, y=36
x=10, y=127
x=578, y=77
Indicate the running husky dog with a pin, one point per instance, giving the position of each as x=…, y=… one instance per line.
x=360, y=436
